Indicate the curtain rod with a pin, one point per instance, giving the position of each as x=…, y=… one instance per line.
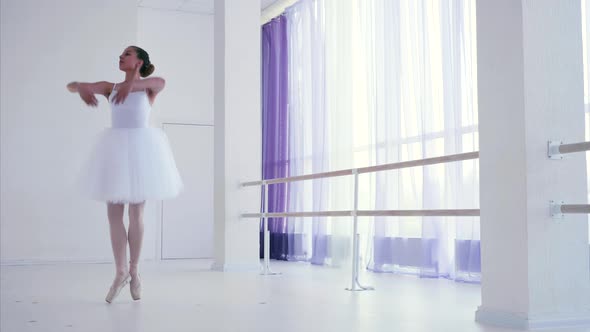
x=275, y=10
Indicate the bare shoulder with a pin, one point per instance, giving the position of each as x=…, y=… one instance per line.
x=101, y=87
x=106, y=88
x=156, y=84
x=106, y=85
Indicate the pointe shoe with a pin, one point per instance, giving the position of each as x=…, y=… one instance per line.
x=135, y=288
x=116, y=289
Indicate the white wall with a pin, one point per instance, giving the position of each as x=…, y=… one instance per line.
x=535, y=271
x=238, y=141
x=180, y=45
x=46, y=132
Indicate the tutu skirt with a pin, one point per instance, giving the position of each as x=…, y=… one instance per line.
x=130, y=165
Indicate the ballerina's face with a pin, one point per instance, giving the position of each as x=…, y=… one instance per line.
x=128, y=59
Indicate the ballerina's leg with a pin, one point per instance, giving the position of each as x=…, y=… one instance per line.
x=118, y=239
x=135, y=236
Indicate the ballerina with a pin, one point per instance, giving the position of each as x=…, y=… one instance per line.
x=130, y=162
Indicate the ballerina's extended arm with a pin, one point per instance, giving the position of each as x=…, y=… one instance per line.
x=88, y=90
x=152, y=85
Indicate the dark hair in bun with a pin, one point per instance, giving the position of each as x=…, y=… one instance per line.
x=147, y=71
x=147, y=68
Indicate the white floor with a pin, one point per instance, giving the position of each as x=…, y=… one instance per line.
x=184, y=295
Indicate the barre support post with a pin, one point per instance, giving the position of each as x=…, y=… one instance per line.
x=355, y=284
x=266, y=266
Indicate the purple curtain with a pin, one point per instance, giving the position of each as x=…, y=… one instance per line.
x=275, y=153
x=397, y=254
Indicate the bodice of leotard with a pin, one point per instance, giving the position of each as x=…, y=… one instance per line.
x=134, y=112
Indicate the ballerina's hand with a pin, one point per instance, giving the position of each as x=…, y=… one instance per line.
x=87, y=96
x=123, y=90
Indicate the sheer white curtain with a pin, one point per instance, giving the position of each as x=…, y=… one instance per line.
x=322, y=123
x=414, y=97
x=374, y=82
x=586, y=45
x=404, y=83
x=316, y=145
x=306, y=118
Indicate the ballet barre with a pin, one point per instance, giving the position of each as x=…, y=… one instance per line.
x=355, y=212
x=558, y=209
x=556, y=150
x=370, y=169
x=369, y=213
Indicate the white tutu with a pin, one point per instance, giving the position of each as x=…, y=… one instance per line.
x=130, y=165
x=131, y=162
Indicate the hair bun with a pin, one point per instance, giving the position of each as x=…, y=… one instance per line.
x=148, y=70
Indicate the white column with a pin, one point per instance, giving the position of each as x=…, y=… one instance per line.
x=238, y=145
x=535, y=271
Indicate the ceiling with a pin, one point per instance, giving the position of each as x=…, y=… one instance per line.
x=191, y=6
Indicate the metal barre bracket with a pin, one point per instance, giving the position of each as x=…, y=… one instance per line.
x=555, y=210
x=553, y=150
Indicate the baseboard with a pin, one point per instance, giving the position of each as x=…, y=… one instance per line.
x=25, y=262
x=236, y=267
x=522, y=322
